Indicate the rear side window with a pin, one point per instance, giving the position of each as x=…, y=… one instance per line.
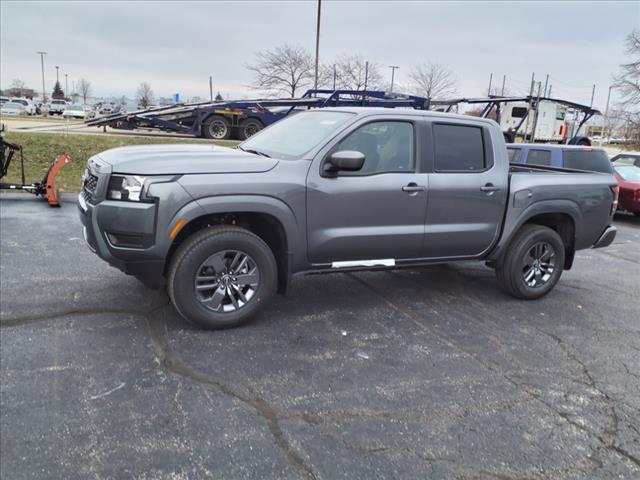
x=539, y=157
x=591, y=160
x=458, y=148
x=514, y=155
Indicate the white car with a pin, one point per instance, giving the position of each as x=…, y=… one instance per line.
x=57, y=106
x=29, y=107
x=13, y=108
x=78, y=111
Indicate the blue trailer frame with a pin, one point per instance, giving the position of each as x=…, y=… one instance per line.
x=220, y=120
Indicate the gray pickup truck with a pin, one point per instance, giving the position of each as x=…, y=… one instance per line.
x=336, y=190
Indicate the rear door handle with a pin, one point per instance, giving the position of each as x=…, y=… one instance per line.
x=413, y=188
x=489, y=188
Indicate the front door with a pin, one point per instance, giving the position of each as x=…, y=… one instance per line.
x=373, y=216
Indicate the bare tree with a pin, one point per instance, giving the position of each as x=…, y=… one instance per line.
x=628, y=82
x=144, y=95
x=433, y=80
x=85, y=89
x=352, y=72
x=19, y=86
x=282, y=70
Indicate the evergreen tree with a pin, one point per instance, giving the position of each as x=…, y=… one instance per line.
x=219, y=97
x=58, y=93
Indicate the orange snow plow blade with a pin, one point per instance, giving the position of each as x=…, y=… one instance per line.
x=53, y=196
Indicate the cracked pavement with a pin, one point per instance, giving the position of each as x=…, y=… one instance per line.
x=418, y=373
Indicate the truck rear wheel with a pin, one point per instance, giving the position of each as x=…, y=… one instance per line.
x=216, y=127
x=220, y=276
x=533, y=262
x=250, y=127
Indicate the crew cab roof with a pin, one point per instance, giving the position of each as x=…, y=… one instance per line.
x=368, y=111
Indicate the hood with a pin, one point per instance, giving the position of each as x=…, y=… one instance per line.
x=176, y=159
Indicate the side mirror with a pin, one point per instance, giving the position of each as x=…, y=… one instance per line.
x=347, y=160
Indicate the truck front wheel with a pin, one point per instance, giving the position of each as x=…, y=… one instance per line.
x=533, y=262
x=216, y=127
x=220, y=276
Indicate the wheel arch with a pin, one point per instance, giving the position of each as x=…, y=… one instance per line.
x=562, y=216
x=269, y=218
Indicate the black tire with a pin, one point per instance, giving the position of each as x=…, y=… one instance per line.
x=249, y=127
x=216, y=127
x=517, y=262
x=187, y=263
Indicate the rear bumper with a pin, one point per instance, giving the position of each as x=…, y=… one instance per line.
x=606, y=238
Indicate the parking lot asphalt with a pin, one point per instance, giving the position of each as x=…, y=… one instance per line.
x=419, y=373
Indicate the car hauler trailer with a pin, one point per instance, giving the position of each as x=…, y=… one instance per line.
x=534, y=119
x=242, y=118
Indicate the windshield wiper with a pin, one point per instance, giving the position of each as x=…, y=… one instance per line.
x=255, y=152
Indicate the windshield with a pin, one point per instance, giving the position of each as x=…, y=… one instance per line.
x=629, y=173
x=21, y=102
x=591, y=160
x=294, y=136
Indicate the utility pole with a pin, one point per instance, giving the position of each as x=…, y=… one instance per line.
x=66, y=85
x=42, y=54
x=549, y=95
x=593, y=92
x=526, y=126
x=393, y=71
x=535, y=117
x=210, y=88
x=605, y=128
x=546, y=82
x=490, y=81
x=504, y=79
x=315, y=83
x=57, y=79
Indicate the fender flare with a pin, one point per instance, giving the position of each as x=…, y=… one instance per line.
x=514, y=223
x=241, y=204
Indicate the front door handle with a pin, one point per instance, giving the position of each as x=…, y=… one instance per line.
x=489, y=188
x=413, y=188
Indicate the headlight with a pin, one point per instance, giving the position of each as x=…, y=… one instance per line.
x=125, y=187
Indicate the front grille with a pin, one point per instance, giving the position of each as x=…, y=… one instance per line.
x=89, y=186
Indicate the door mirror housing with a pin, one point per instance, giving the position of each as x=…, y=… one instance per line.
x=345, y=160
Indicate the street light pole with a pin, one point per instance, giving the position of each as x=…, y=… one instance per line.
x=606, y=116
x=315, y=83
x=42, y=54
x=66, y=85
x=393, y=71
x=57, y=77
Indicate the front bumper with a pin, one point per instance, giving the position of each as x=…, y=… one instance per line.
x=606, y=238
x=123, y=234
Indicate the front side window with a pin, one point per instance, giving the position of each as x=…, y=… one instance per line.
x=458, y=148
x=539, y=157
x=387, y=147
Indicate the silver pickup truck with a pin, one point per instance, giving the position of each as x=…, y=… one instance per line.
x=335, y=190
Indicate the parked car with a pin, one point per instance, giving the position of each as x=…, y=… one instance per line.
x=29, y=107
x=627, y=158
x=628, y=177
x=78, y=111
x=13, y=108
x=332, y=190
x=56, y=107
x=106, y=109
x=3, y=100
x=560, y=156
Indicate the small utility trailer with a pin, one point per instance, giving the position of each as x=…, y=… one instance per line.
x=545, y=117
x=242, y=118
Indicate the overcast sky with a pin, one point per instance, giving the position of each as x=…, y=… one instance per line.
x=175, y=46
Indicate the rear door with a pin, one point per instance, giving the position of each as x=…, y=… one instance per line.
x=467, y=190
x=374, y=216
